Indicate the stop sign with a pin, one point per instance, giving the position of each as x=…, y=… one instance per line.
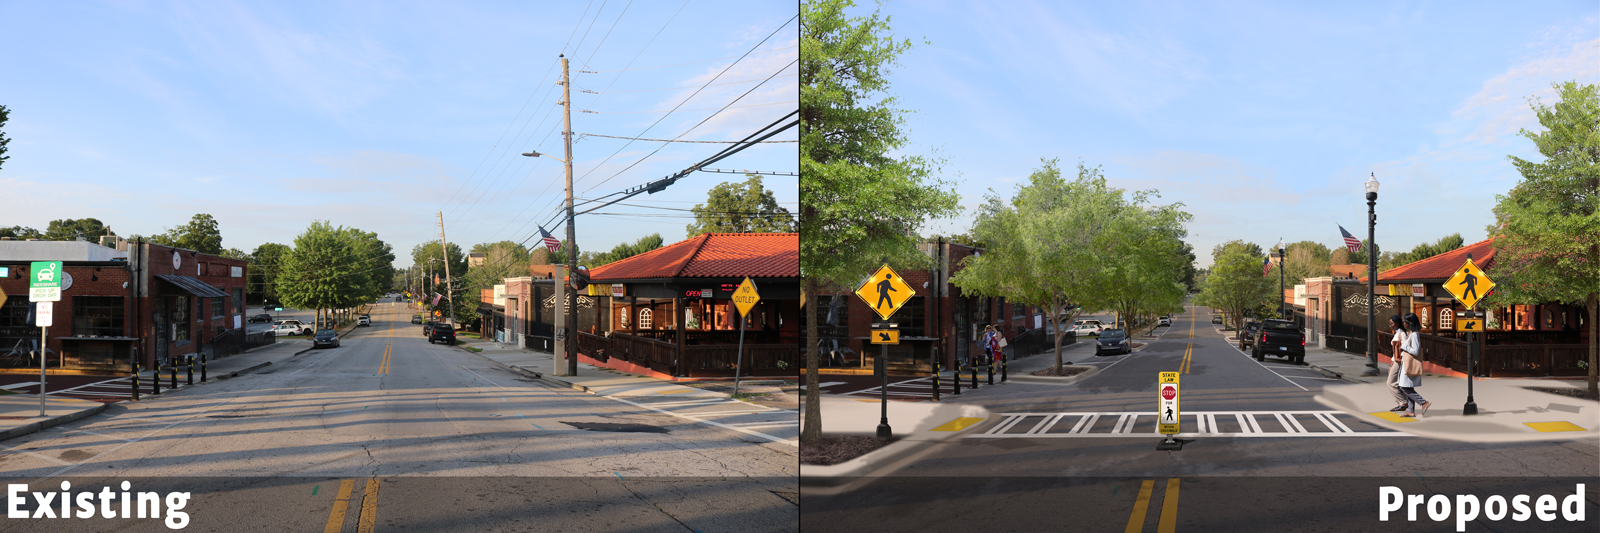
x=1169, y=392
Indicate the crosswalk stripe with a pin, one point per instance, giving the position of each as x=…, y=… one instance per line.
x=1205, y=424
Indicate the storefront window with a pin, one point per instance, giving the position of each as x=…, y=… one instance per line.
x=1493, y=319
x=238, y=300
x=180, y=318
x=216, y=307
x=644, y=318
x=689, y=319
x=97, y=315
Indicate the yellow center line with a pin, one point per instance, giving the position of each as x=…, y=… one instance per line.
x=1169, y=508
x=340, y=504
x=1136, y=520
x=369, y=508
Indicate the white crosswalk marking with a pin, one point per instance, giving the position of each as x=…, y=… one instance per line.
x=1203, y=424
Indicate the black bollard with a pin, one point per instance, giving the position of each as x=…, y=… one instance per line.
x=974, y=375
x=136, y=382
x=991, y=371
x=189, y=369
x=173, y=369
x=955, y=379
x=936, y=378
x=155, y=379
x=202, y=368
x=1003, y=366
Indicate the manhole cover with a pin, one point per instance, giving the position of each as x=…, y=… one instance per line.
x=620, y=428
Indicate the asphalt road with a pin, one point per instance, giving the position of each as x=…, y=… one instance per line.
x=1077, y=456
x=429, y=437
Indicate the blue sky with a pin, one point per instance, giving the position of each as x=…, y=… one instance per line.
x=377, y=115
x=1263, y=118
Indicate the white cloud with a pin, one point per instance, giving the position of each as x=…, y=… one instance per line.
x=1499, y=109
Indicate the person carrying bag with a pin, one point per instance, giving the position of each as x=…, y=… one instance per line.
x=1411, y=376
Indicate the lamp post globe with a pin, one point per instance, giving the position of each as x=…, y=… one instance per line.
x=1371, y=187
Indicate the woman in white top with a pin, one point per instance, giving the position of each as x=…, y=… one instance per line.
x=1395, y=367
x=1409, y=346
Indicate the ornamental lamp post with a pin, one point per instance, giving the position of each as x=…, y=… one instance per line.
x=1371, y=186
x=1283, y=260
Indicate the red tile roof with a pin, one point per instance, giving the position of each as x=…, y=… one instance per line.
x=712, y=255
x=1442, y=266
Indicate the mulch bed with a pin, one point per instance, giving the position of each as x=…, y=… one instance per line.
x=1582, y=393
x=1066, y=370
x=832, y=450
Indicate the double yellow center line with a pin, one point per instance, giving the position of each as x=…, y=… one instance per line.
x=388, y=352
x=1169, y=508
x=1188, y=351
x=341, y=504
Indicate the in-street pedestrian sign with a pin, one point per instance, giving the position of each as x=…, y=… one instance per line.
x=745, y=297
x=44, y=281
x=885, y=291
x=1167, y=418
x=886, y=336
x=1469, y=284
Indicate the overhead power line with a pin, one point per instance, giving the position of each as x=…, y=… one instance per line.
x=676, y=109
x=668, y=140
x=581, y=90
x=681, y=64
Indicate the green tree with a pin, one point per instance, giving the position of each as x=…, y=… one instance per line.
x=859, y=206
x=740, y=208
x=430, y=255
x=21, y=233
x=626, y=250
x=5, y=114
x=89, y=229
x=200, y=234
x=539, y=255
x=333, y=268
x=1066, y=246
x=1306, y=259
x=265, y=265
x=1236, y=284
x=1549, y=223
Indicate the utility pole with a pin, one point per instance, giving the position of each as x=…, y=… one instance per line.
x=572, y=236
x=444, y=249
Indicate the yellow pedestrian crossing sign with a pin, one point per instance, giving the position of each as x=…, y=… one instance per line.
x=1469, y=284
x=745, y=297
x=885, y=291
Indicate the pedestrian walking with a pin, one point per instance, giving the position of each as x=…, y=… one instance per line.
x=1411, y=375
x=991, y=344
x=1395, y=365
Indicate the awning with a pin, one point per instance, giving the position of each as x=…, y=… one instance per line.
x=193, y=285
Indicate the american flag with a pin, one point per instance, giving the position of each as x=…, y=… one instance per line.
x=549, y=242
x=1350, y=241
x=1266, y=264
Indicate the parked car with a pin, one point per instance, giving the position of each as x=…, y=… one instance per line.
x=326, y=338
x=1216, y=319
x=1086, y=329
x=1164, y=321
x=260, y=318
x=364, y=320
x=416, y=319
x=327, y=323
x=427, y=328
x=1113, y=341
x=442, y=332
x=1281, y=338
x=288, y=329
x=1247, y=336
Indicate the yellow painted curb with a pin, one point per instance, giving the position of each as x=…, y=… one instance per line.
x=1546, y=427
x=674, y=392
x=958, y=424
x=1393, y=417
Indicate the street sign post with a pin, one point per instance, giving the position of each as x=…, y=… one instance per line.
x=44, y=287
x=1169, y=415
x=1468, y=285
x=744, y=298
x=885, y=292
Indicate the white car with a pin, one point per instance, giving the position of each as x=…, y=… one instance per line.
x=1164, y=321
x=1089, y=328
x=289, y=329
x=364, y=320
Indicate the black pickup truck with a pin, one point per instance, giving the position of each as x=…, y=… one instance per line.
x=1280, y=338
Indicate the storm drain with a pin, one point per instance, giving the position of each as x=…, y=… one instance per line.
x=619, y=428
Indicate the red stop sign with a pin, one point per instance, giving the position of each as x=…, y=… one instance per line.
x=1169, y=392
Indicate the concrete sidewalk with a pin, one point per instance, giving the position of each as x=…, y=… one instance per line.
x=591, y=379
x=918, y=425
x=19, y=413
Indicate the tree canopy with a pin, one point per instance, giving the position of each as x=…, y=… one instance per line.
x=1235, y=283
x=89, y=229
x=626, y=250
x=747, y=207
x=265, y=265
x=21, y=233
x=5, y=114
x=859, y=206
x=200, y=234
x=334, y=268
x=1549, y=223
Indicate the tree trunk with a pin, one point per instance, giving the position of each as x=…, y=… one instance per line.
x=1594, y=345
x=812, y=430
x=1055, y=320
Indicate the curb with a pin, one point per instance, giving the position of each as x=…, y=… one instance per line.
x=532, y=373
x=238, y=373
x=51, y=422
x=843, y=474
x=1055, y=380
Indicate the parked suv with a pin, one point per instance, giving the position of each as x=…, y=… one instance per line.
x=260, y=318
x=442, y=333
x=416, y=319
x=1164, y=321
x=1247, y=335
x=364, y=320
x=1281, y=338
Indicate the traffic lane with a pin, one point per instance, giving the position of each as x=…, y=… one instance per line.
x=1172, y=504
x=28, y=383
x=437, y=411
